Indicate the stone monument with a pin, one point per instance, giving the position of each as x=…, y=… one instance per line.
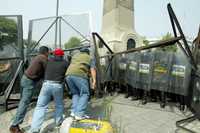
x=118, y=26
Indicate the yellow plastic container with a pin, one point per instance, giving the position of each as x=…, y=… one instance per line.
x=91, y=126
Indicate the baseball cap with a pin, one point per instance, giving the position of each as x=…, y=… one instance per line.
x=58, y=52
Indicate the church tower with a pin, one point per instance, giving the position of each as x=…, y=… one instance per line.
x=118, y=26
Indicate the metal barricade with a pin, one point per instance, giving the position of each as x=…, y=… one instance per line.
x=58, y=32
x=11, y=48
x=11, y=59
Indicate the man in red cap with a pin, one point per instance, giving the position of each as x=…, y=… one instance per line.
x=52, y=86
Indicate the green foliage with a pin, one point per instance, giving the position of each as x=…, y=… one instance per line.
x=107, y=105
x=8, y=31
x=29, y=45
x=167, y=36
x=73, y=42
x=172, y=48
x=145, y=41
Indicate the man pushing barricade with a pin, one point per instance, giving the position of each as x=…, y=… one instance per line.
x=52, y=86
x=34, y=73
x=77, y=77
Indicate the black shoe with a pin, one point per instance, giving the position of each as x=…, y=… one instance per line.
x=182, y=107
x=133, y=98
x=153, y=100
x=144, y=101
x=15, y=129
x=162, y=105
x=126, y=95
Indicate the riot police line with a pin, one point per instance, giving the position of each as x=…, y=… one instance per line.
x=156, y=74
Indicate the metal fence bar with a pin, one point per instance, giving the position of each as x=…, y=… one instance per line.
x=10, y=58
x=190, y=119
x=76, y=48
x=104, y=43
x=9, y=89
x=187, y=49
x=154, y=45
x=10, y=86
x=60, y=34
x=74, y=28
x=44, y=34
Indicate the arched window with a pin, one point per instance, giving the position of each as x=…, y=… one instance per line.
x=131, y=43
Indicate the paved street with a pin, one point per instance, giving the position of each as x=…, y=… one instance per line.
x=126, y=116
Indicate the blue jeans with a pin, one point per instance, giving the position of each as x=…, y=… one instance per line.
x=79, y=88
x=27, y=86
x=48, y=89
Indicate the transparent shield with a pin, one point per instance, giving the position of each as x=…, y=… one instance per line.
x=11, y=49
x=121, y=68
x=161, y=70
x=145, y=70
x=132, y=73
x=180, y=74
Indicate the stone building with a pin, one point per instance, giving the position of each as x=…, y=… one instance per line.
x=118, y=26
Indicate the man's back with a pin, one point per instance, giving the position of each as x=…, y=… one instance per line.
x=37, y=67
x=55, y=69
x=80, y=65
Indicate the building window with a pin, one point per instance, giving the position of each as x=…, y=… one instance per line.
x=131, y=43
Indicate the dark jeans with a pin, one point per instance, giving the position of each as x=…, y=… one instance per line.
x=26, y=96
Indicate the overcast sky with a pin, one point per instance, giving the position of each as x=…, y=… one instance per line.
x=151, y=16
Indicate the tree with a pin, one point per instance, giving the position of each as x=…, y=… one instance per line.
x=145, y=41
x=29, y=45
x=8, y=31
x=73, y=42
x=171, y=48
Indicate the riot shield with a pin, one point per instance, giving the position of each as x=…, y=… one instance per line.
x=106, y=69
x=145, y=70
x=132, y=73
x=161, y=70
x=121, y=69
x=180, y=75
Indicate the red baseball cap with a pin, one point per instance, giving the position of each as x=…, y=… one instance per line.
x=58, y=52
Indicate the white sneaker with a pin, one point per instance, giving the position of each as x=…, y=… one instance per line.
x=78, y=118
x=86, y=117
x=72, y=114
